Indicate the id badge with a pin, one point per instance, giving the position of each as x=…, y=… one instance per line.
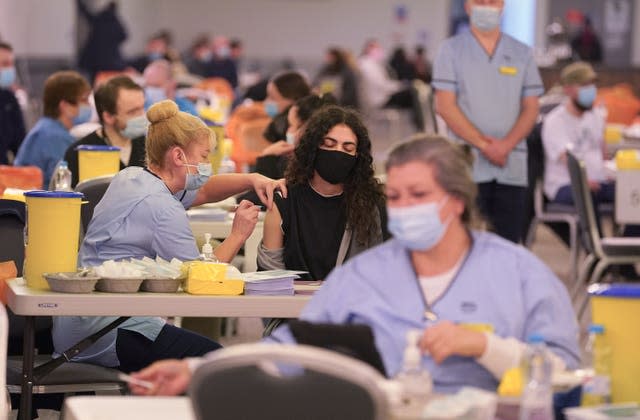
x=477, y=327
x=508, y=70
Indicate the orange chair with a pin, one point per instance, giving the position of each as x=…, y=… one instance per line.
x=622, y=105
x=221, y=87
x=250, y=135
x=104, y=76
x=245, y=127
x=21, y=177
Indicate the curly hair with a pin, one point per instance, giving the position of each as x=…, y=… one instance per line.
x=362, y=190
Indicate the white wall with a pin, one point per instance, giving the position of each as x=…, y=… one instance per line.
x=42, y=28
x=542, y=14
x=635, y=38
x=520, y=19
x=293, y=28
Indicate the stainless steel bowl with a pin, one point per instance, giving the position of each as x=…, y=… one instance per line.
x=71, y=282
x=119, y=285
x=161, y=285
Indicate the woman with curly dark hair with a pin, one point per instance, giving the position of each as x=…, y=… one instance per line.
x=335, y=207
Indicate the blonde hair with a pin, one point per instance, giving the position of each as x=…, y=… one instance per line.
x=171, y=127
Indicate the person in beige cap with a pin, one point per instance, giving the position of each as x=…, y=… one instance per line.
x=577, y=125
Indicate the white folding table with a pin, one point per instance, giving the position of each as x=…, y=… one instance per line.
x=30, y=303
x=108, y=408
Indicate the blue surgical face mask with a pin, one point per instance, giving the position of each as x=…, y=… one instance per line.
x=155, y=94
x=206, y=56
x=223, y=52
x=195, y=181
x=155, y=55
x=485, y=18
x=418, y=227
x=587, y=96
x=7, y=77
x=291, y=138
x=136, y=127
x=84, y=114
x=271, y=108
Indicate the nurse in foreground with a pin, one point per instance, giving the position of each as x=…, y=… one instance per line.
x=438, y=275
x=142, y=214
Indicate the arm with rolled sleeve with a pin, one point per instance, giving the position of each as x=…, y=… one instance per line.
x=445, y=82
x=548, y=311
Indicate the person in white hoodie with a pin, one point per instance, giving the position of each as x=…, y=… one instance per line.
x=379, y=90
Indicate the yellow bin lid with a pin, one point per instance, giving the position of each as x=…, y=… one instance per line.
x=628, y=159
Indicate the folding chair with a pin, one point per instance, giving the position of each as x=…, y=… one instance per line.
x=93, y=190
x=559, y=213
x=601, y=252
x=274, y=381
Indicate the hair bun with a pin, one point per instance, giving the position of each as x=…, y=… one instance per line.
x=162, y=110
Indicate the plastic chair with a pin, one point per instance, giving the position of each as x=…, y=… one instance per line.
x=21, y=177
x=246, y=382
x=93, y=190
x=601, y=252
x=554, y=212
x=220, y=86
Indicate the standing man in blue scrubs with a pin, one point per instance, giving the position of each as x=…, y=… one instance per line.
x=487, y=87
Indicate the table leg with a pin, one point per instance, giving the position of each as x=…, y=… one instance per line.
x=26, y=398
x=272, y=325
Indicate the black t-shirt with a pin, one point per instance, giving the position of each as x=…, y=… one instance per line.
x=137, y=158
x=313, y=227
x=271, y=166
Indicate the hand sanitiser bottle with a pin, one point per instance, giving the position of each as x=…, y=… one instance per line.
x=62, y=177
x=207, y=249
x=537, y=395
x=414, y=379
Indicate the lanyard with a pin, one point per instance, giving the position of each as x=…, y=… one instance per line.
x=429, y=315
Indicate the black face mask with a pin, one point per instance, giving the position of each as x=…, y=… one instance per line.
x=334, y=166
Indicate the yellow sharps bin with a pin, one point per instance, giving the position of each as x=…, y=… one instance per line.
x=96, y=161
x=617, y=307
x=52, y=233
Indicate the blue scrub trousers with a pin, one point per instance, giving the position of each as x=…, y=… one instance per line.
x=503, y=207
x=606, y=194
x=135, y=351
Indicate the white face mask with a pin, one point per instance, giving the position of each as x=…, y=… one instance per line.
x=418, y=227
x=136, y=127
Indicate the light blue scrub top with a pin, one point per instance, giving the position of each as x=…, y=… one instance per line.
x=489, y=91
x=137, y=217
x=44, y=147
x=517, y=296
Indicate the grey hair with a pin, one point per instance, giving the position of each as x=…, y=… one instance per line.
x=452, y=168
